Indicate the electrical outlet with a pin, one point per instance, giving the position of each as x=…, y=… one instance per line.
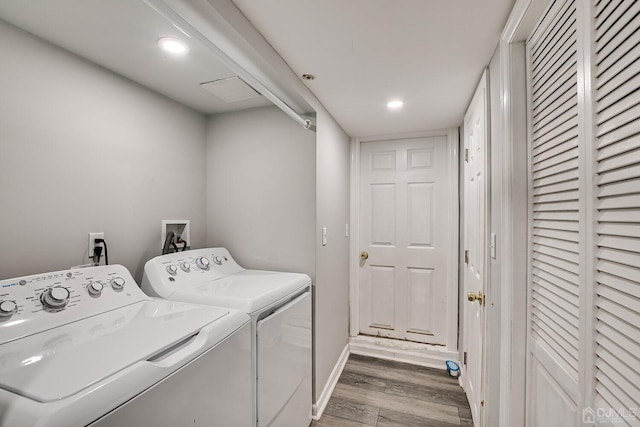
x=92, y=242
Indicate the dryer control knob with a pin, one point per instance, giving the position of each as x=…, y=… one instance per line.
x=8, y=308
x=202, y=262
x=217, y=260
x=95, y=288
x=172, y=269
x=117, y=283
x=56, y=297
x=185, y=266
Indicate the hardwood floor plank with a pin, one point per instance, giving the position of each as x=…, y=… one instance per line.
x=354, y=411
x=389, y=418
x=464, y=412
x=428, y=393
x=331, y=421
x=398, y=374
x=381, y=393
x=362, y=380
x=410, y=406
x=399, y=365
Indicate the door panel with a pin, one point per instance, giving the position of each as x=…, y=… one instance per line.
x=404, y=228
x=420, y=215
x=383, y=221
x=382, y=296
x=420, y=293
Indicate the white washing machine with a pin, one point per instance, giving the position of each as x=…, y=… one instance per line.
x=88, y=347
x=280, y=308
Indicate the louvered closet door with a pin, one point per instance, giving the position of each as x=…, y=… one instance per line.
x=554, y=188
x=617, y=359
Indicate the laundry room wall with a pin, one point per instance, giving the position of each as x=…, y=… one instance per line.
x=261, y=191
x=85, y=150
x=331, y=287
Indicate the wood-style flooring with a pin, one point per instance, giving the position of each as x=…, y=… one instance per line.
x=376, y=392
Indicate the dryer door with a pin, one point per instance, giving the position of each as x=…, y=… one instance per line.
x=284, y=365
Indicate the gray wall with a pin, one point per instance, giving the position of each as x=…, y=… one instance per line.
x=261, y=191
x=331, y=317
x=84, y=150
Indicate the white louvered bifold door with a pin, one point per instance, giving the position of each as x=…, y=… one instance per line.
x=617, y=281
x=583, y=355
x=555, y=210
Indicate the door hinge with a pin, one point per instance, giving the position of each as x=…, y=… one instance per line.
x=482, y=403
x=466, y=256
x=466, y=155
x=464, y=358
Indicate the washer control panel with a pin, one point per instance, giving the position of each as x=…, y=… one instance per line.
x=183, y=269
x=35, y=303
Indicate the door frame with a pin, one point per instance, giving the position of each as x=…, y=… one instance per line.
x=452, y=136
x=509, y=344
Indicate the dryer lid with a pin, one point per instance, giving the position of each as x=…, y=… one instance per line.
x=248, y=291
x=63, y=361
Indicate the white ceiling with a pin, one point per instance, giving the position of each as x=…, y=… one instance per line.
x=122, y=35
x=429, y=53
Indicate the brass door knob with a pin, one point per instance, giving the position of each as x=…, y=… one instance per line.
x=472, y=296
x=364, y=255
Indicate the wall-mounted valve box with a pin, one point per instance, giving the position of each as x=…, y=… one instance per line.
x=176, y=233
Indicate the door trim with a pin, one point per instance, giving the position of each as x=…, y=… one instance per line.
x=510, y=344
x=452, y=250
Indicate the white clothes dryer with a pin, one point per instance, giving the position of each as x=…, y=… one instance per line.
x=280, y=308
x=88, y=347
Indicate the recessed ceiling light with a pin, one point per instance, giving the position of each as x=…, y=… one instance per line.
x=173, y=45
x=394, y=104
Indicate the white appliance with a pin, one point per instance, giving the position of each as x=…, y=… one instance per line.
x=88, y=347
x=280, y=308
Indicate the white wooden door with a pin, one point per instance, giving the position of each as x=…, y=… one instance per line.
x=475, y=238
x=404, y=227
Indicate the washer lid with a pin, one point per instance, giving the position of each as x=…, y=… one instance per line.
x=63, y=361
x=248, y=291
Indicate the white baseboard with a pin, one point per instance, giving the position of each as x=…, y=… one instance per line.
x=431, y=356
x=321, y=404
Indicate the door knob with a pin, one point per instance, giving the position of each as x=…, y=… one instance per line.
x=364, y=255
x=472, y=296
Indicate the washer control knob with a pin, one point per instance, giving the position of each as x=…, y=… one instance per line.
x=217, y=260
x=8, y=308
x=117, y=283
x=56, y=297
x=202, y=262
x=185, y=266
x=172, y=269
x=95, y=288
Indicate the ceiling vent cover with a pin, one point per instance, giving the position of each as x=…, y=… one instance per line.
x=232, y=89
